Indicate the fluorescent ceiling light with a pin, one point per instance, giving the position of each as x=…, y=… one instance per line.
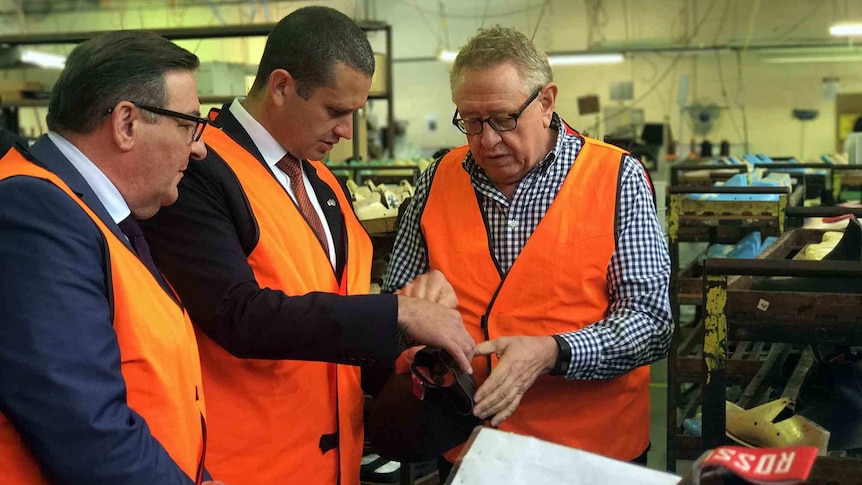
x=446, y=56
x=43, y=59
x=555, y=59
x=584, y=59
x=21, y=57
x=811, y=54
x=846, y=30
x=803, y=59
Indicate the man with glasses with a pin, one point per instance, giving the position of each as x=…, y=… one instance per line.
x=267, y=254
x=100, y=378
x=551, y=246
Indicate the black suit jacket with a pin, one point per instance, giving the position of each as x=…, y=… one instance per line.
x=202, y=244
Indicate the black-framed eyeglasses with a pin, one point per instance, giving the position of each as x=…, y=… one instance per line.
x=474, y=126
x=200, y=123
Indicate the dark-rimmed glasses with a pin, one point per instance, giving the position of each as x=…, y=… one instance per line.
x=200, y=123
x=474, y=126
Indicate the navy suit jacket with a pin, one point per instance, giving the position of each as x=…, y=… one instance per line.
x=60, y=380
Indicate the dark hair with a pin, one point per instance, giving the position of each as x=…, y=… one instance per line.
x=109, y=68
x=857, y=126
x=308, y=44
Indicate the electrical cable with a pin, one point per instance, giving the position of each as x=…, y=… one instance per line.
x=437, y=33
x=663, y=76
x=539, y=21
x=721, y=24
x=808, y=16
x=751, y=19
x=485, y=13
x=475, y=17
x=724, y=95
x=626, y=18
x=216, y=12
x=444, y=29
x=265, y=7
x=742, y=105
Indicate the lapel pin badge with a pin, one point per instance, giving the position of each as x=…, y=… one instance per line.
x=330, y=202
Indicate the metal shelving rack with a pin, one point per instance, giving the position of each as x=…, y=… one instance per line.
x=733, y=311
x=226, y=31
x=703, y=219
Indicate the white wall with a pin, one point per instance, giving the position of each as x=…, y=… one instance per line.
x=768, y=91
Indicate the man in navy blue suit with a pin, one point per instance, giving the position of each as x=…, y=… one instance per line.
x=99, y=370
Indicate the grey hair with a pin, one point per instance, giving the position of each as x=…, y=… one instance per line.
x=497, y=45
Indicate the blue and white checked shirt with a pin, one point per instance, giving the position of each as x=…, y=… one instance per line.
x=638, y=328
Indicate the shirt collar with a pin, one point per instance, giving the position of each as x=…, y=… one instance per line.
x=102, y=186
x=269, y=148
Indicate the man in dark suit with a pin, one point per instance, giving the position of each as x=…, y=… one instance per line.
x=99, y=371
x=265, y=251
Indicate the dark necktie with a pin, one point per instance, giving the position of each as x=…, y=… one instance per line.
x=132, y=230
x=291, y=166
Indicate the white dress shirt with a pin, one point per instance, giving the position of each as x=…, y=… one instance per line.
x=272, y=152
x=105, y=190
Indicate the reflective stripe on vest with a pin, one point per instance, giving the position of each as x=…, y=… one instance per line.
x=557, y=284
x=160, y=363
x=267, y=417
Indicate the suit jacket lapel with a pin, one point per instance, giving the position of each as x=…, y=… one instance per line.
x=51, y=158
x=334, y=219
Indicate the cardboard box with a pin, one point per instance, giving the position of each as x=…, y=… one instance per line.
x=382, y=225
x=14, y=90
x=494, y=457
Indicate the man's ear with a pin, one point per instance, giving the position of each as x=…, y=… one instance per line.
x=548, y=98
x=124, y=123
x=282, y=86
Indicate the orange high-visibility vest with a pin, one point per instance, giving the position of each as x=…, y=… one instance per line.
x=266, y=417
x=160, y=363
x=557, y=284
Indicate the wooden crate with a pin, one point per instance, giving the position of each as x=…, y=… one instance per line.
x=16, y=90
x=383, y=225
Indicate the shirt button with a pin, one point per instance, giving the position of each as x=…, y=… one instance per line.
x=513, y=223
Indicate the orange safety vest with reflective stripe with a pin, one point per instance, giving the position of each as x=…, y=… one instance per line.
x=267, y=416
x=160, y=363
x=557, y=284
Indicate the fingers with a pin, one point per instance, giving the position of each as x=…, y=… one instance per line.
x=486, y=347
x=489, y=393
x=500, y=402
x=462, y=354
x=516, y=371
x=432, y=286
x=508, y=411
x=433, y=324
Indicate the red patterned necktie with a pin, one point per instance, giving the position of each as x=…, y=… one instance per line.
x=291, y=166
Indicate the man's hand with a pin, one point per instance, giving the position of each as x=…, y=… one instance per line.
x=433, y=324
x=522, y=360
x=433, y=286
